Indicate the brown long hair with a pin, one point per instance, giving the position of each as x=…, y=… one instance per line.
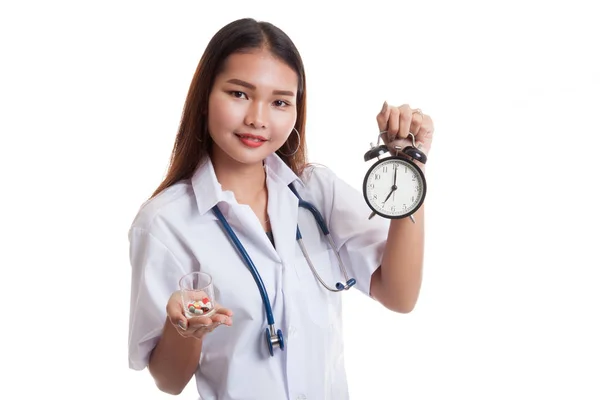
x=193, y=142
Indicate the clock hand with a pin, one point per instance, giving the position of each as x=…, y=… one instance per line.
x=388, y=196
x=386, y=199
x=394, y=187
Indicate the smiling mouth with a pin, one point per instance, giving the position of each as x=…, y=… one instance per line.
x=254, y=138
x=251, y=141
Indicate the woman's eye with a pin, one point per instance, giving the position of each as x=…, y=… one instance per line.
x=280, y=103
x=238, y=94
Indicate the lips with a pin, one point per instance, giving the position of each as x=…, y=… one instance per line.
x=250, y=136
x=252, y=141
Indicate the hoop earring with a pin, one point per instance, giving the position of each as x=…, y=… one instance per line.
x=297, y=147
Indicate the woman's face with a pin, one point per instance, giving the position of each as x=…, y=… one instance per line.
x=252, y=107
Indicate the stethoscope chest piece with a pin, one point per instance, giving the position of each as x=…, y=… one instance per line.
x=274, y=339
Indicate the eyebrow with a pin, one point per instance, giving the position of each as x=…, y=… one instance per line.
x=252, y=87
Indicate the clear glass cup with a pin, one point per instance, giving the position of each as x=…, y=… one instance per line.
x=197, y=294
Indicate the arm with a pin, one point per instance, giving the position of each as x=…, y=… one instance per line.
x=174, y=360
x=169, y=344
x=154, y=341
x=397, y=282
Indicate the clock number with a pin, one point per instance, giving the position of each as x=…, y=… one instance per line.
x=371, y=186
x=384, y=169
x=393, y=208
x=414, y=178
x=377, y=177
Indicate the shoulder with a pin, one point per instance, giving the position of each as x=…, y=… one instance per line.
x=323, y=186
x=318, y=176
x=168, y=204
x=331, y=193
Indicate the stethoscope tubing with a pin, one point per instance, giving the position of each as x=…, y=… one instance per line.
x=276, y=337
x=257, y=278
x=308, y=206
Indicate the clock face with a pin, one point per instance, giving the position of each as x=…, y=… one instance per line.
x=394, y=187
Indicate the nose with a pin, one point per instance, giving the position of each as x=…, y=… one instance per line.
x=257, y=115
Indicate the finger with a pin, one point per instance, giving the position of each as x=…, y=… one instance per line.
x=426, y=127
x=217, y=321
x=404, y=120
x=425, y=134
x=224, y=311
x=393, y=124
x=175, y=312
x=416, y=121
x=199, y=322
x=222, y=319
x=382, y=117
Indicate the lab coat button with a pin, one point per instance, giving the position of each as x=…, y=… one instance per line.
x=301, y=397
x=292, y=331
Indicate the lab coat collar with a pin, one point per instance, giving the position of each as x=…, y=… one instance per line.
x=208, y=190
x=277, y=167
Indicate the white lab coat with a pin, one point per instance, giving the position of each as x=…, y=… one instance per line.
x=176, y=233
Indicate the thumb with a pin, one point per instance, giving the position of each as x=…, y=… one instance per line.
x=175, y=311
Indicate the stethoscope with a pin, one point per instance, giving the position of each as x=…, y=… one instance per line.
x=275, y=338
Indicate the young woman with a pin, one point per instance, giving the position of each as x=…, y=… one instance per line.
x=239, y=152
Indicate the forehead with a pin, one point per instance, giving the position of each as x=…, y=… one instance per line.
x=260, y=68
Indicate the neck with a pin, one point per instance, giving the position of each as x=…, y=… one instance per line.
x=246, y=181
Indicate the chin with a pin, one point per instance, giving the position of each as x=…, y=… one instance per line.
x=251, y=160
x=241, y=156
x=243, y=152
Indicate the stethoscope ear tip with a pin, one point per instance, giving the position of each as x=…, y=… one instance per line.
x=340, y=286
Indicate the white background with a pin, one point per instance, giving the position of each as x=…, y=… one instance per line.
x=90, y=98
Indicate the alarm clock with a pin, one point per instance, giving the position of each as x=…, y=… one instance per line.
x=394, y=186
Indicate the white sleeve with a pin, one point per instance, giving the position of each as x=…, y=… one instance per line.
x=155, y=275
x=360, y=241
